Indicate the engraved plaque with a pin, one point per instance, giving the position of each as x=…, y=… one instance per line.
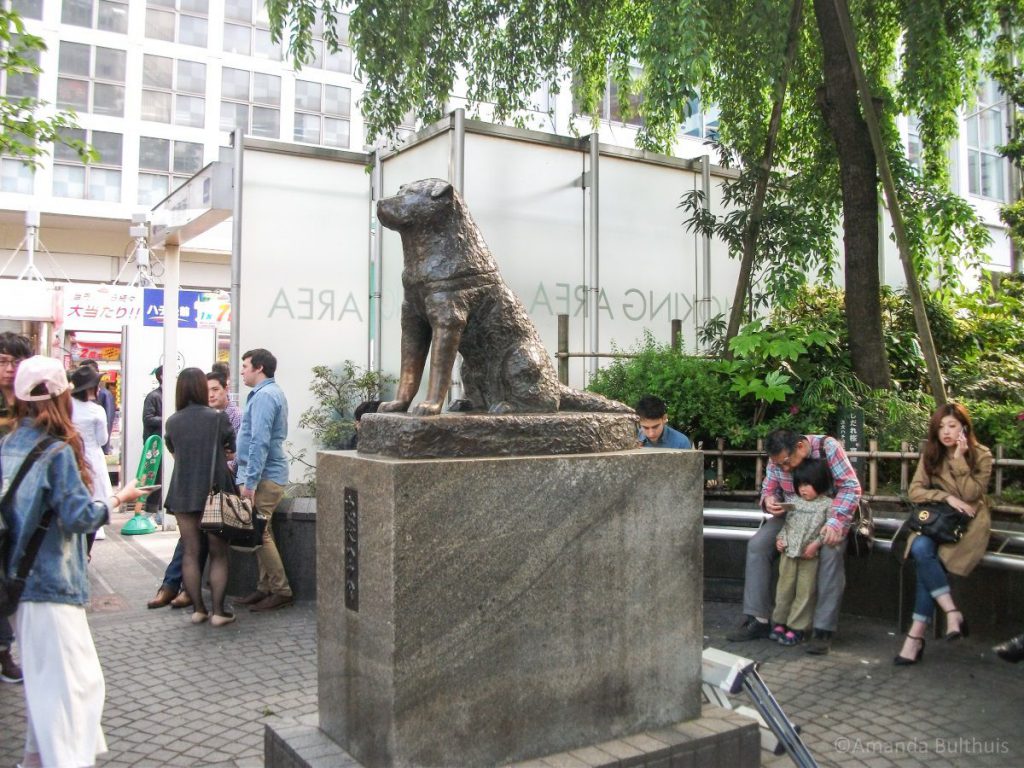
x=351, y=497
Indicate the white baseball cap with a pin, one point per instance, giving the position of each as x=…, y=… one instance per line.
x=40, y=370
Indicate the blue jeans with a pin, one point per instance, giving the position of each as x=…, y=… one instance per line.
x=6, y=634
x=172, y=576
x=931, y=577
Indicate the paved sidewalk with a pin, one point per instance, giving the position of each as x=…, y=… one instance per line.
x=184, y=695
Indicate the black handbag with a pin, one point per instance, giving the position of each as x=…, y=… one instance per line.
x=939, y=521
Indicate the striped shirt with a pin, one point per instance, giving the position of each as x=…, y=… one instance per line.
x=778, y=482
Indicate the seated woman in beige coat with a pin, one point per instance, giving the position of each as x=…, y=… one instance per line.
x=954, y=468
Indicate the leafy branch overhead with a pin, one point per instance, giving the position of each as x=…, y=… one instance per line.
x=919, y=58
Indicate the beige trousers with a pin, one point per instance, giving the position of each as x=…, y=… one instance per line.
x=272, y=578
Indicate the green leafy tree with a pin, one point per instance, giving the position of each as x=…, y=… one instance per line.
x=337, y=393
x=920, y=57
x=27, y=134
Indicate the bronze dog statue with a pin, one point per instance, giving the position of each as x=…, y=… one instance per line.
x=457, y=302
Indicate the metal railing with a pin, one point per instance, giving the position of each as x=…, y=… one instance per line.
x=1005, y=547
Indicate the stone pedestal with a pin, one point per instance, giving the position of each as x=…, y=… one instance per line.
x=491, y=610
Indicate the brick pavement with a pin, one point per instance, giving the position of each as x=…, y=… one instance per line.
x=184, y=695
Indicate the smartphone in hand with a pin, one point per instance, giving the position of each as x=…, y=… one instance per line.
x=788, y=506
x=147, y=488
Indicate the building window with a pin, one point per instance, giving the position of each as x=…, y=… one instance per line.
x=321, y=114
x=108, y=15
x=91, y=79
x=914, y=148
x=182, y=21
x=985, y=133
x=100, y=180
x=173, y=91
x=164, y=165
x=28, y=9
x=251, y=101
x=16, y=176
x=702, y=121
x=247, y=32
x=23, y=85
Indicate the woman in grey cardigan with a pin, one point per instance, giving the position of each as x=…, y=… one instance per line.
x=197, y=436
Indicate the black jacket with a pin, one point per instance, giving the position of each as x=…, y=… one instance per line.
x=152, y=413
x=192, y=436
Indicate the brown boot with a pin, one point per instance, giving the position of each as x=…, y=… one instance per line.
x=273, y=602
x=164, y=596
x=182, y=600
x=252, y=598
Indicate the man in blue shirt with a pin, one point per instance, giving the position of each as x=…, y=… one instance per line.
x=263, y=471
x=654, y=429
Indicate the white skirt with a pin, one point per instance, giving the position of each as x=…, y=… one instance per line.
x=64, y=688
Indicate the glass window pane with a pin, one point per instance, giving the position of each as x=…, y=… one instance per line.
x=160, y=4
x=234, y=84
x=72, y=94
x=972, y=131
x=337, y=100
x=22, y=85
x=266, y=89
x=108, y=99
x=108, y=145
x=191, y=77
x=266, y=122
x=113, y=16
x=105, y=185
x=234, y=116
x=28, y=9
x=340, y=61
x=307, y=128
x=336, y=132
x=992, y=128
x=110, y=64
x=192, y=31
x=152, y=188
x=159, y=24
x=62, y=151
x=307, y=96
x=77, y=12
x=239, y=10
x=69, y=181
x=154, y=154
x=188, y=157
x=15, y=176
x=198, y=6
x=992, y=176
x=318, y=55
x=237, y=39
x=156, y=105
x=73, y=59
x=190, y=110
x=265, y=47
x=156, y=71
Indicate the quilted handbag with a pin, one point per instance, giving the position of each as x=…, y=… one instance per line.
x=229, y=515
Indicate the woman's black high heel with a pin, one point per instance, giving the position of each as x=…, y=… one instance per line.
x=903, y=661
x=963, y=631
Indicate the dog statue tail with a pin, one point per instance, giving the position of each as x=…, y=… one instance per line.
x=570, y=399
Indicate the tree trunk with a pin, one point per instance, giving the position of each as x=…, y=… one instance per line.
x=838, y=102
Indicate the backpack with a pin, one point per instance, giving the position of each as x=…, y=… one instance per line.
x=11, y=587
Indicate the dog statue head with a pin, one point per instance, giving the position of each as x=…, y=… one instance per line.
x=416, y=204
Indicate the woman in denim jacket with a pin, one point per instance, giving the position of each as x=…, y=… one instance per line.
x=64, y=688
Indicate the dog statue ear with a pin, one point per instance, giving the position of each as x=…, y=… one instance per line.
x=441, y=190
